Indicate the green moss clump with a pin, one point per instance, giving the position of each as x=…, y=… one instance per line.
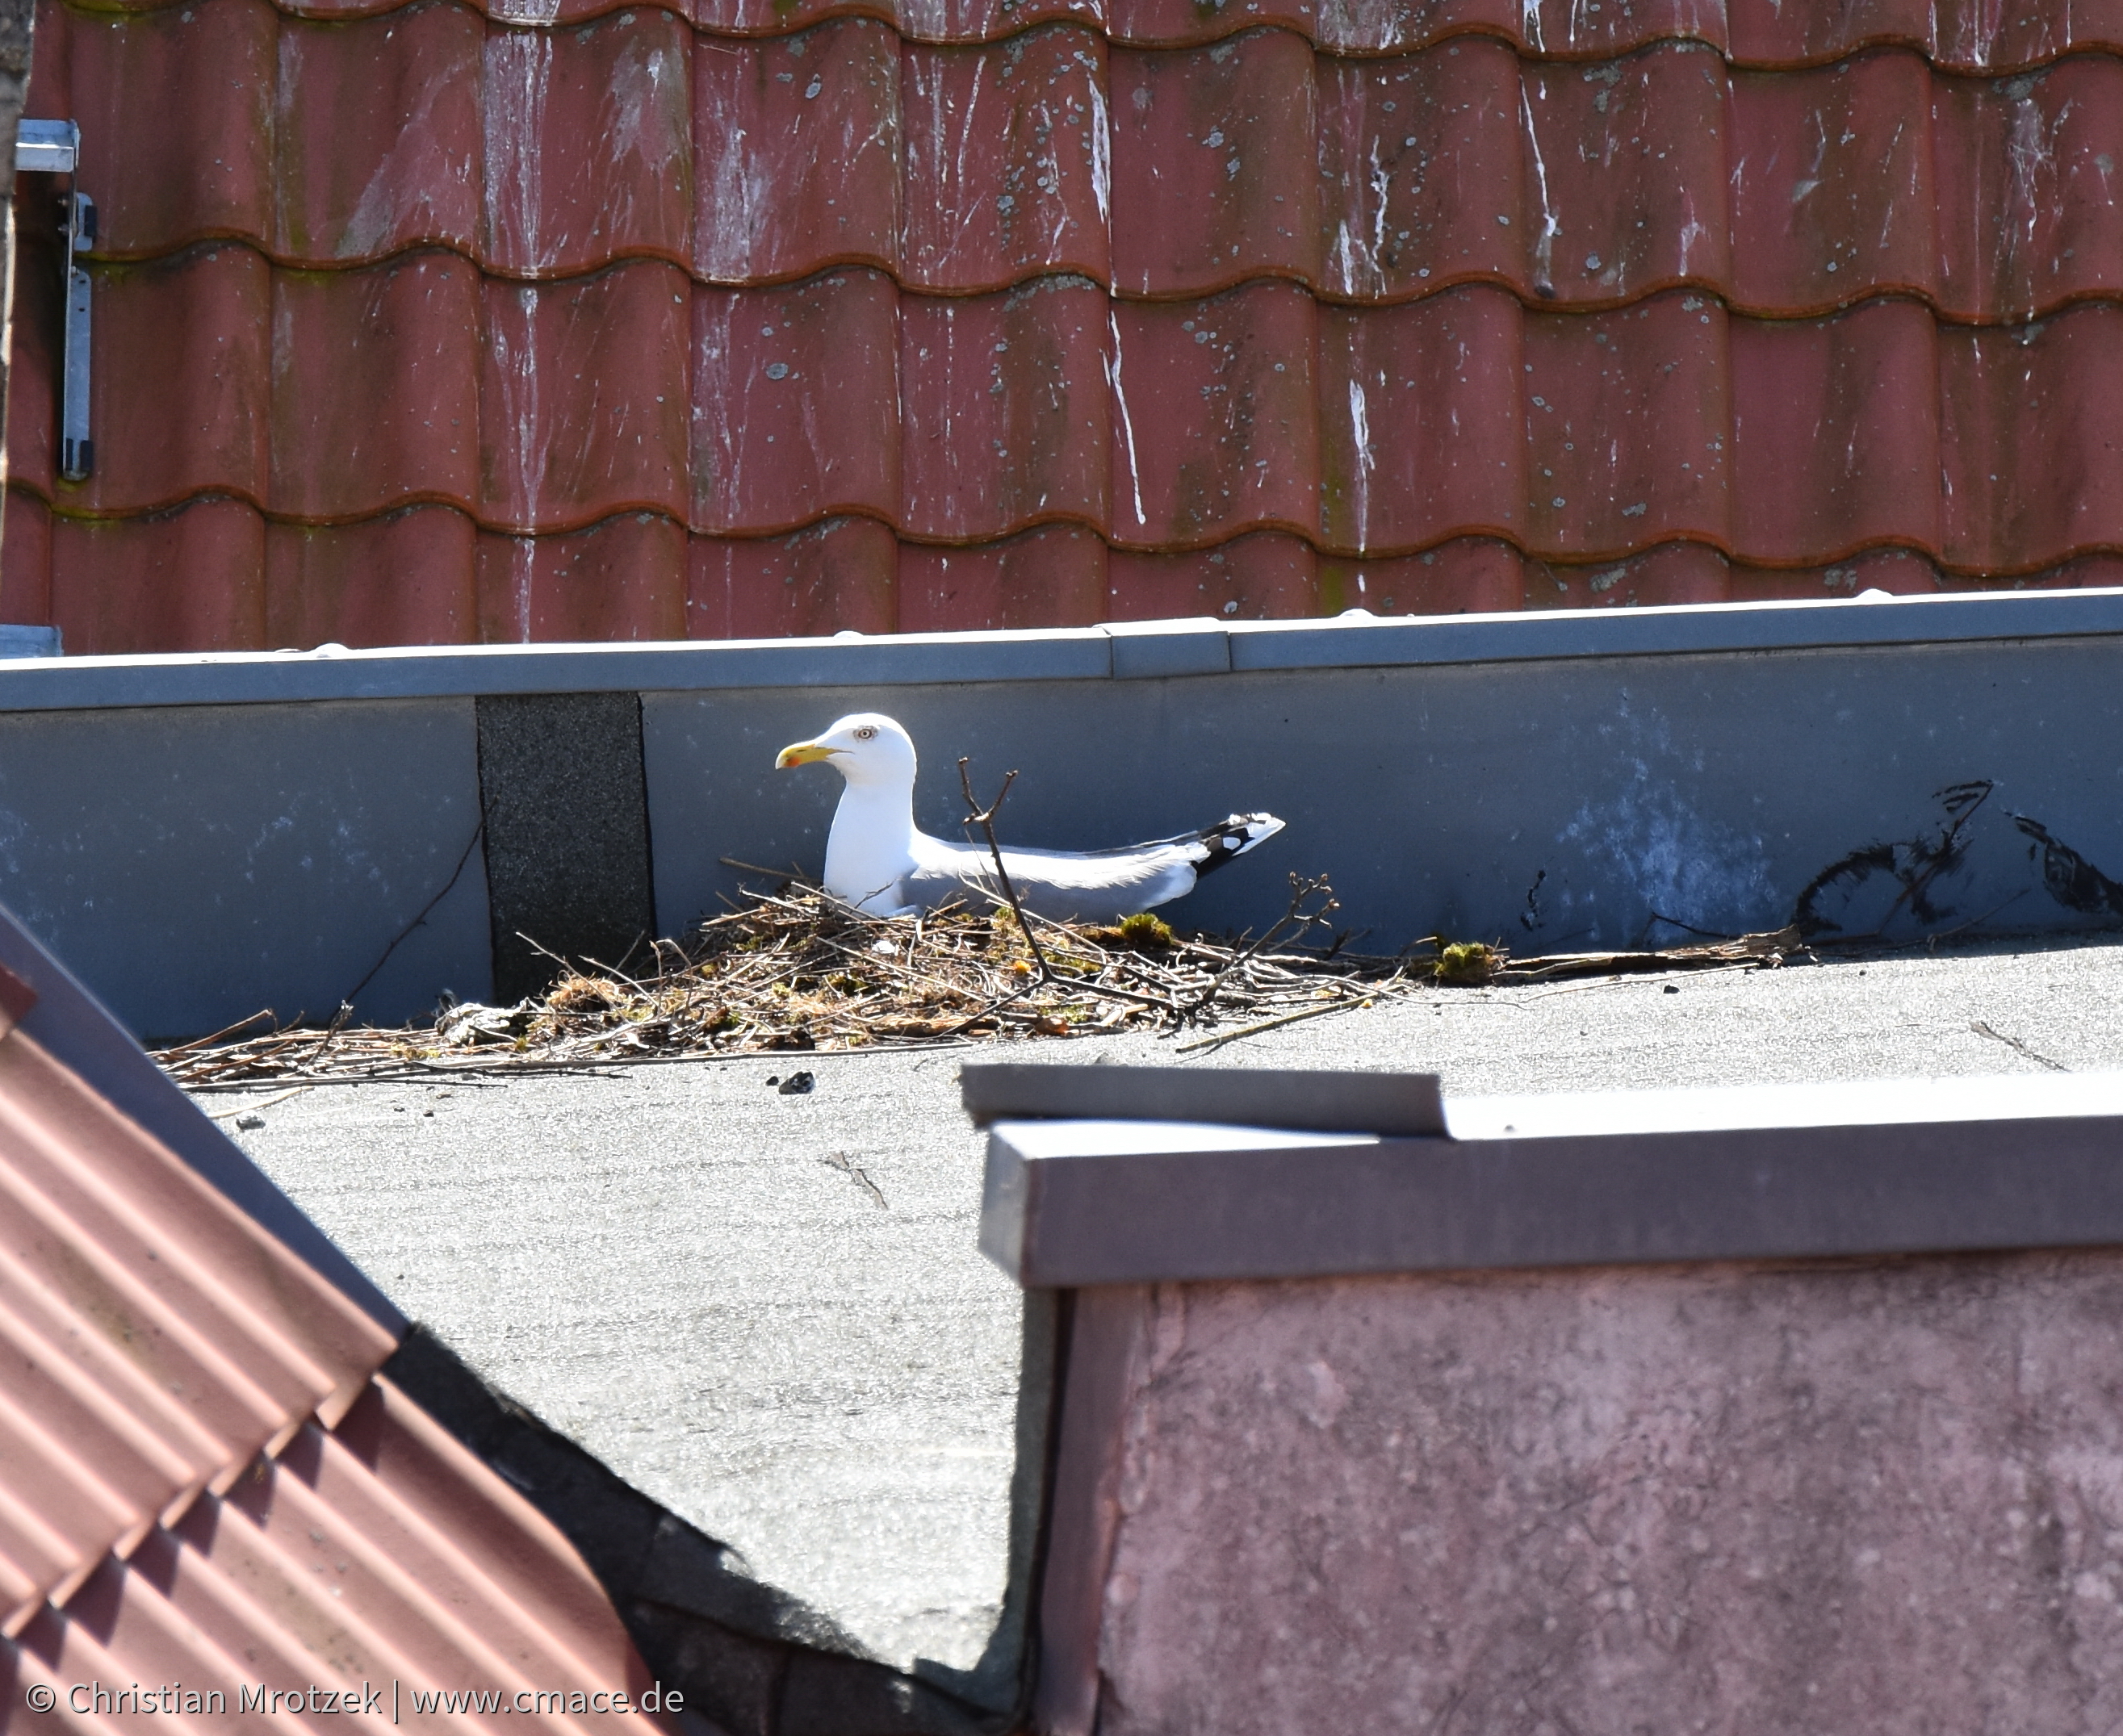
x=1147, y=933
x=1467, y=963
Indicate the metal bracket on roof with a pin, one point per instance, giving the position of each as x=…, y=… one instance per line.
x=54, y=147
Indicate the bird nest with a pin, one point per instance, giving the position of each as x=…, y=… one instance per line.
x=794, y=970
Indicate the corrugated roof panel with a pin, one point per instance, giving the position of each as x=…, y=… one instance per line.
x=204, y=1484
x=161, y=1338
x=380, y=1556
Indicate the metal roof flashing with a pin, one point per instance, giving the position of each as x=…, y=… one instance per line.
x=1562, y=1179
x=1118, y=651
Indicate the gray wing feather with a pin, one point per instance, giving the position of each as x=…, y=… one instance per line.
x=1085, y=885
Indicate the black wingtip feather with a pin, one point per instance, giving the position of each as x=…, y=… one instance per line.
x=1232, y=838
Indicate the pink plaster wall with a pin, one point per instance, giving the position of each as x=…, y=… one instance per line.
x=1876, y=1499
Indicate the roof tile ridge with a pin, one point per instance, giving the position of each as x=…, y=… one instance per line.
x=1245, y=278
x=1221, y=536
x=1221, y=28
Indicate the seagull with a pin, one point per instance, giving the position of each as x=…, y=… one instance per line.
x=879, y=862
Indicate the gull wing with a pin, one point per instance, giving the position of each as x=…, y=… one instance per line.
x=1085, y=886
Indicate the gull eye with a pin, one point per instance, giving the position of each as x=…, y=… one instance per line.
x=866, y=732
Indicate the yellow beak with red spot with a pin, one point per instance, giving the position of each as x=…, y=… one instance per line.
x=804, y=753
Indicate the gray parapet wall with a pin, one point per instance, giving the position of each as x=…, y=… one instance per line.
x=204, y=836
x=1753, y=1410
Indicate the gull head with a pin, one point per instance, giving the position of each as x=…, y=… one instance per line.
x=868, y=748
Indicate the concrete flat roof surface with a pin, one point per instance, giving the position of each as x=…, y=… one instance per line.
x=768, y=1312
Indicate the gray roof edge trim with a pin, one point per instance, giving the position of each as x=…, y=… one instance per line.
x=1681, y=629
x=1650, y=1197
x=1075, y=653
x=76, y=1029
x=456, y=671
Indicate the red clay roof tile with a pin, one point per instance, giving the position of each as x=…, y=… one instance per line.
x=795, y=402
x=795, y=152
x=1970, y=36
x=1782, y=287
x=961, y=170
x=116, y=593
x=1006, y=161
x=991, y=454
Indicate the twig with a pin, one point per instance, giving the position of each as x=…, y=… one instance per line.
x=222, y=1115
x=792, y=967
x=1223, y=1037
x=218, y=1036
x=984, y=818
x=791, y=872
x=614, y=970
x=1301, y=890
